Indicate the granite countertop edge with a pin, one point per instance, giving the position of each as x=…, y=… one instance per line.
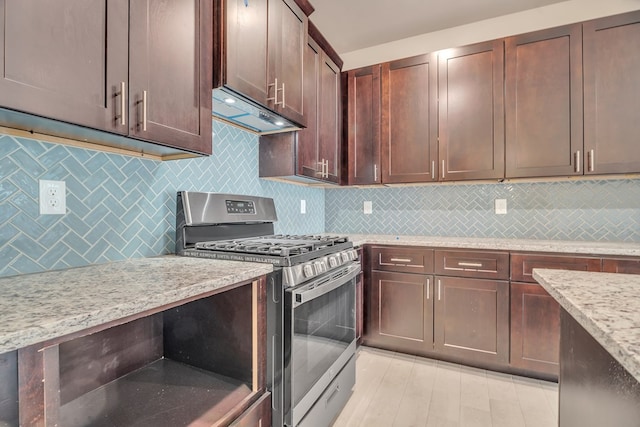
x=606, y=305
x=524, y=245
x=39, y=313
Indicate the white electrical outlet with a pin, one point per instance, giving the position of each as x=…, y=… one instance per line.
x=53, y=199
x=303, y=206
x=368, y=208
x=501, y=206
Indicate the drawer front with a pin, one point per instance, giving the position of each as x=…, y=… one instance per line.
x=402, y=259
x=625, y=266
x=479, y=264
x=522, y=265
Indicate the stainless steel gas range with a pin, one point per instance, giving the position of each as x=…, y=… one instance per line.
x=311, y=317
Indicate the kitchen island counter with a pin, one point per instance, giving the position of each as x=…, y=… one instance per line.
x=606, y=305
x=42, y=306
x=524, y=245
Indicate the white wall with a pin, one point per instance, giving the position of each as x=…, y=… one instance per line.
x=517, y=23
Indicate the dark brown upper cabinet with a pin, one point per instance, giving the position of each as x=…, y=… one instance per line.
x=313, y=152
x=409, y=136
x=362, y=129
x=611, y=94
x=259, y=52
x=319, y=144
x=543, y=103
x=139, y=69
x=170, y=73
x=471, y=112
x=73, y=72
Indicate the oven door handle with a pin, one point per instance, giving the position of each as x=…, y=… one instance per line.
x=310, y=292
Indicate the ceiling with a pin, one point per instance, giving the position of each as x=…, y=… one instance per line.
x=351, y=25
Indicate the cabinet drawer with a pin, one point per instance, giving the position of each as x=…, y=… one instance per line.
x=625, y=266
x=479, y=264
x=522, y=265
x=403, y=259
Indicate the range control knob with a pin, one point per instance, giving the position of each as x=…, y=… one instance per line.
x=353, y=254
x=333, y=262
x=307, y=270
x=345, y=256
x=320, y=266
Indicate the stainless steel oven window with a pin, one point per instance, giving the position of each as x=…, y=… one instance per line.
x=323, y=324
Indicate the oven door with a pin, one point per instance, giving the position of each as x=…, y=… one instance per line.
x=320, y=336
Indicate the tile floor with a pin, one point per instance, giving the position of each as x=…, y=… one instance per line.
x=394, y=389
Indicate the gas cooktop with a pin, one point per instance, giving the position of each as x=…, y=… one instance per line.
x=284, y=245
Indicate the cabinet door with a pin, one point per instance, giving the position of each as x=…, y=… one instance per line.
x=409, y=120
x=471, y=112
x=400, y=312
x=471, y=319
x=307, y=147
x=287, y=41
x=65, y=60
x=535, y=329
x=245, y=53
x=363, y=126
x=329, y=122
x=170, y=73
x=543, y=95
x=611, y=88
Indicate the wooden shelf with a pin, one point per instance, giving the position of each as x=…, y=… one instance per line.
x=163, y=393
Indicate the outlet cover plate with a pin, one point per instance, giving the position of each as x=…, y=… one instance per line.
x=367, y=208
x=52, y=197
x=501, y=206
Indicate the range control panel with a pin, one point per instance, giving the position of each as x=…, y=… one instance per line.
x=240, y=207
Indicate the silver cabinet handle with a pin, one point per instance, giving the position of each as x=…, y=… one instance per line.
x=439, y=289
x=592, y=161
x=144, y=110
x=400, y=260
x=433, y=169
x=470, y=264
x=375, y=173
x=577, y=168
x=327, y=173
x=275, y=91
x=283, y=94
x=123, y=104
x=442, y=168
x=428, y=287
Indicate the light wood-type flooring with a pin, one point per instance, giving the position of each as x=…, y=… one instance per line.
x=394, y=389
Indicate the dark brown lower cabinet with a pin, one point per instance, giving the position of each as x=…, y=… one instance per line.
x=535, y=329
x=595, y=390
x=471, y=319
x=183, y=364
x=400, y=312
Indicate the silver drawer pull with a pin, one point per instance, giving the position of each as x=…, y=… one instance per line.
x=400, y=260
x=470, y=264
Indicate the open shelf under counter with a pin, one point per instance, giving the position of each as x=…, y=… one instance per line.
x=199, y=363
x=164, y=393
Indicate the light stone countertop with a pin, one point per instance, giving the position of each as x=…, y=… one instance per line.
x=524, y=245
x=41, y=306
x=606, y=305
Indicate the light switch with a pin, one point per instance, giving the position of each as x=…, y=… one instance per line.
x=303, y=206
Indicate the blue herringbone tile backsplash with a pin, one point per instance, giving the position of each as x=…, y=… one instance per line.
x=604, y=210
x=121, y=207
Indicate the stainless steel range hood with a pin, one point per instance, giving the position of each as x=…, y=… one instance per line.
x=236, y=109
